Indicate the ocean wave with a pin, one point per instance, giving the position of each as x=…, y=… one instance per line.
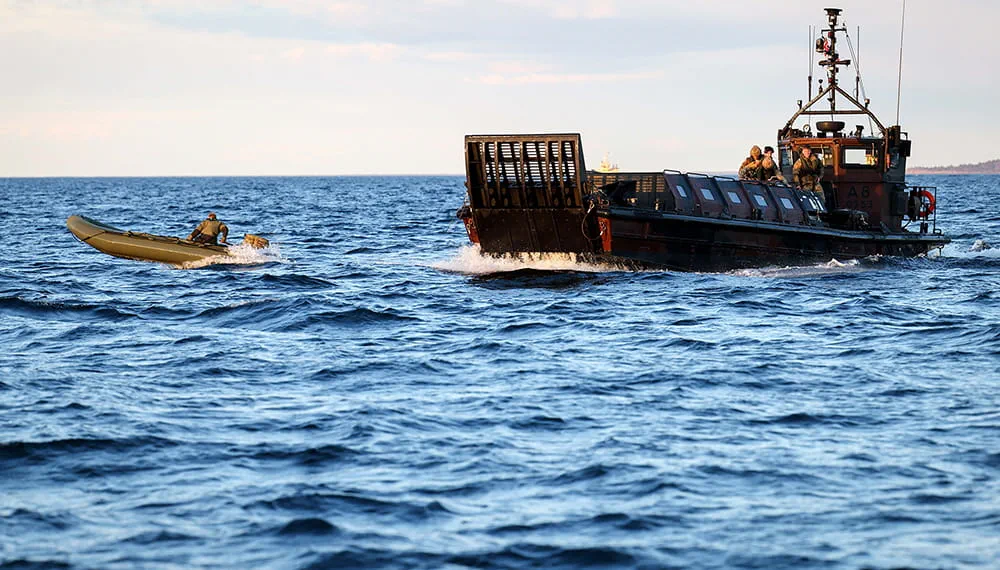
x=358, y=316
x=158, y=537
x=17, y=450
x=34, y=564
x=535, y=555
x=296, y=281
x=60, y=310
x=308, y=526
x=319, y=502
x=319, y=455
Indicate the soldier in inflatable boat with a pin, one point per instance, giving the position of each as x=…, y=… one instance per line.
x=208, y=231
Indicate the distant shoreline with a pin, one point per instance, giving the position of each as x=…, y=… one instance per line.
x=988, y=167
x=948, y=172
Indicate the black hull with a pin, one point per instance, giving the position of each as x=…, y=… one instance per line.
x=693, y=243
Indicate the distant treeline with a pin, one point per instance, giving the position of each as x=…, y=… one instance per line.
x=988, y=167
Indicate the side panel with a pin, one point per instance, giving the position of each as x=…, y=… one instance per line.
x=708, y=198
x=681, y=191
x=788, y=203
x=740, y=205
x=762, y=200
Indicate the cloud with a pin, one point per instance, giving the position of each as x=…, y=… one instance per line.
x=558, y=78
x=451, y=56
x=517, y=68
x=294, y=54
x=571, y=9
x=379, y=52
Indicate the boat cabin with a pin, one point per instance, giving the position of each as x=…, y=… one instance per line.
x=863, y=173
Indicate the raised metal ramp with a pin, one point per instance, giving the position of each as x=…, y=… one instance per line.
x=526, y=192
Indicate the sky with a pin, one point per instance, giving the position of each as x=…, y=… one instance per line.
x=311, y=87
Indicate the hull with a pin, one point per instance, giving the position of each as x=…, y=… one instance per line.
x=700, y=244
x=140, y=246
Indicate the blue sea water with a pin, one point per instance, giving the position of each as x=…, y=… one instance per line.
x=371, y=393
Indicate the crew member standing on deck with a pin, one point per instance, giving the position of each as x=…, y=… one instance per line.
x=769, y=171
x=208, y=231
x=807, y=172
x=750, y=169
x=769, y=166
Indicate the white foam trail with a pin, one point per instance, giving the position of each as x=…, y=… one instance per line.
x=980, y=245
x=979, y=249
x=830, y=267
x=469, y=260
x=241, y=254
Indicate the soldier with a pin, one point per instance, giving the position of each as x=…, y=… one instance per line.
x=208, y=231
x=750, y=169
x=769, y=153
x=807, y=172
x=769, y=170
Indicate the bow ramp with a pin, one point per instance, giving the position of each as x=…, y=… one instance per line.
x=526, y=193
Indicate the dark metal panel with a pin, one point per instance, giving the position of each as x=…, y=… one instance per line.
x=681, y=191
x=763, y=202
x=739, y=201
x=708, y=198
x=788, y=202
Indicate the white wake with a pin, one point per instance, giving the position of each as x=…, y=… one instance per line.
x=791, y=271
x=240, y=255
x=470, y=261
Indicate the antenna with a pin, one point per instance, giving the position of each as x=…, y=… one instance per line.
x=857, y=66
x=809, y=43
x=899, y=83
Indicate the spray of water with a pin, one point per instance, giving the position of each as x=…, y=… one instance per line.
x=471, y=261
x=240, y=255
x=830, y=267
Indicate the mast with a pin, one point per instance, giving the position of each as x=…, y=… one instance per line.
x=828, y=47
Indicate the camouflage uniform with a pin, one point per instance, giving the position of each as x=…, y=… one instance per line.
x=807, y=173
x=769, y=172
x=208, y=231
x=750, y=169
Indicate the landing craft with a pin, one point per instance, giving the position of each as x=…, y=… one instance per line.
x=533, y=194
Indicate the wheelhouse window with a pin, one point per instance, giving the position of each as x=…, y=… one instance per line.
x=859, y=157
x=787, y=203
x=707, y=194
x=734, y=197
x=761, y=201
x=682, y=191
x=824, y=154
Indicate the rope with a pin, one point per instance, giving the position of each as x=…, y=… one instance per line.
x=857, y=65
x=583, y=224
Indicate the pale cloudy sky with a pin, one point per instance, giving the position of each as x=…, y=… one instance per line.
x=202, y=87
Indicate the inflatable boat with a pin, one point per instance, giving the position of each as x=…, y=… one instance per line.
x=148, y=247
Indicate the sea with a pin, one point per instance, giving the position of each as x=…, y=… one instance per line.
x=371, y=392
